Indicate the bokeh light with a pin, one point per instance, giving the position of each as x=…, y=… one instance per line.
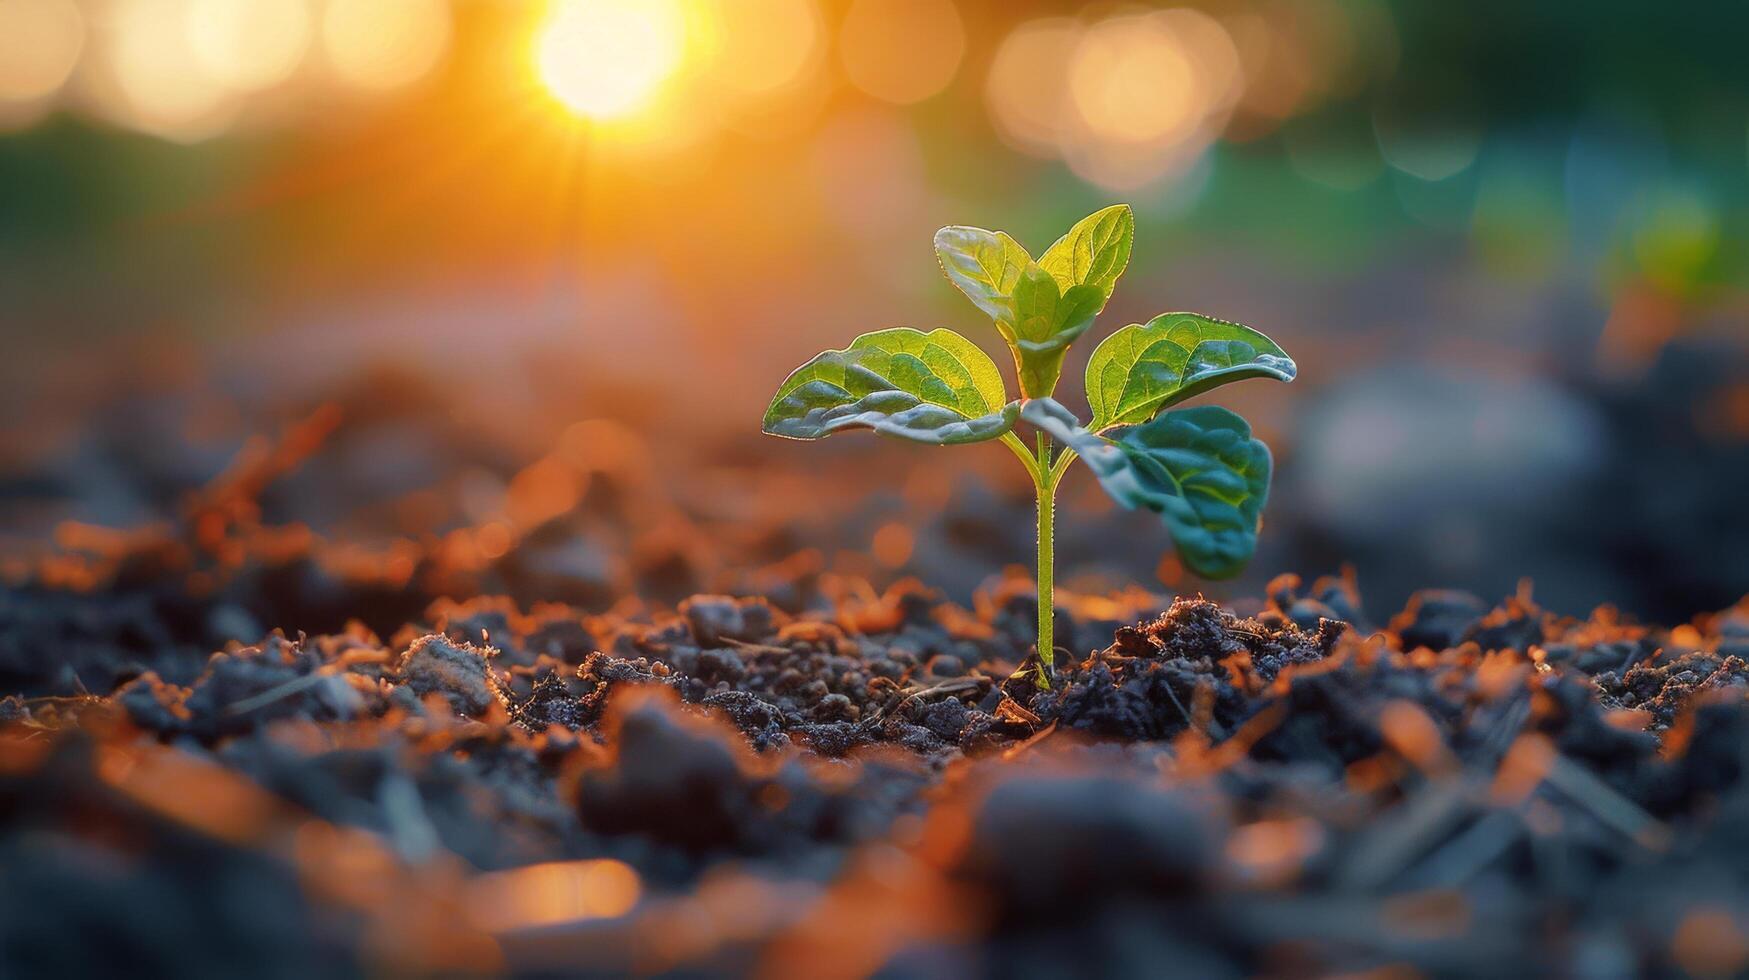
x=1676, y=234
x=550, y=894
x=759, y=47
x=1340, y=155
x=1132, y=82
x=378, y=45
x=40, y=42
x=1025, y=87
x=607, y=58
x=902, y=51
x=155, y=80
x=1149, y=93
x=1278, y=67
x=1431, y=130
x=249, y=44
x=1209, y=46
x=1126, y=101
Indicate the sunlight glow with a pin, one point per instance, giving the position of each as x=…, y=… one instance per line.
x=249, y=44
x=1149, y=92
x=605, y=59
x=380, y=45
x=1133, y=82
x=161, y=86
x=763, y=46
x=39, y=45
x=1026, y=88
x=902, y=51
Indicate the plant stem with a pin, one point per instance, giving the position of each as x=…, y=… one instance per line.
x=1047, y=506
x=1025, y=456
x=1045, y=476
x=1064, y=458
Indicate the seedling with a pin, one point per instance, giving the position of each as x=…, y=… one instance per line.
x=1198, y=468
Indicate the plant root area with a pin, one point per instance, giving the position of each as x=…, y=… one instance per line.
x=770, y=787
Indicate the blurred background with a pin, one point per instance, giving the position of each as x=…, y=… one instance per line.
x=518, y=279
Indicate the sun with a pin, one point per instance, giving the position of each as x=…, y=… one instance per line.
x=606, y=59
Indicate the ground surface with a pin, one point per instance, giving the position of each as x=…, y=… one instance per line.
x=400, y=693
x=830, y=780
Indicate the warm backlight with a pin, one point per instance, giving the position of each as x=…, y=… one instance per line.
x=606, y=59
x=379, y=45
x=40, y=41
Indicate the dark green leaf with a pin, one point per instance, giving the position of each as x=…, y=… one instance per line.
x=935, y=387
x=1141, y=369
x=1198, y=468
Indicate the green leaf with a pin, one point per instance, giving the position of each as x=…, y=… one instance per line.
x=935, y=387
x=1040, y=307
x=985, y=265
x=1094, y=252
x=1198, y=468
x=1141, y=369
x=1045, y=322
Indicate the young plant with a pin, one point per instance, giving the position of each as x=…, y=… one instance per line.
x=1198, y=468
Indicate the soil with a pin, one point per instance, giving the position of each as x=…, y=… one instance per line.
x=828, y=780
x=638, y=737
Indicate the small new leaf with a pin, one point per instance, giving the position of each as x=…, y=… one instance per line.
x=1198, y=468
x=985, y=265
x=1047, y=318
x=1143, y=368
x=1040, y=307
x=1094, y=252
x=935, y=387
